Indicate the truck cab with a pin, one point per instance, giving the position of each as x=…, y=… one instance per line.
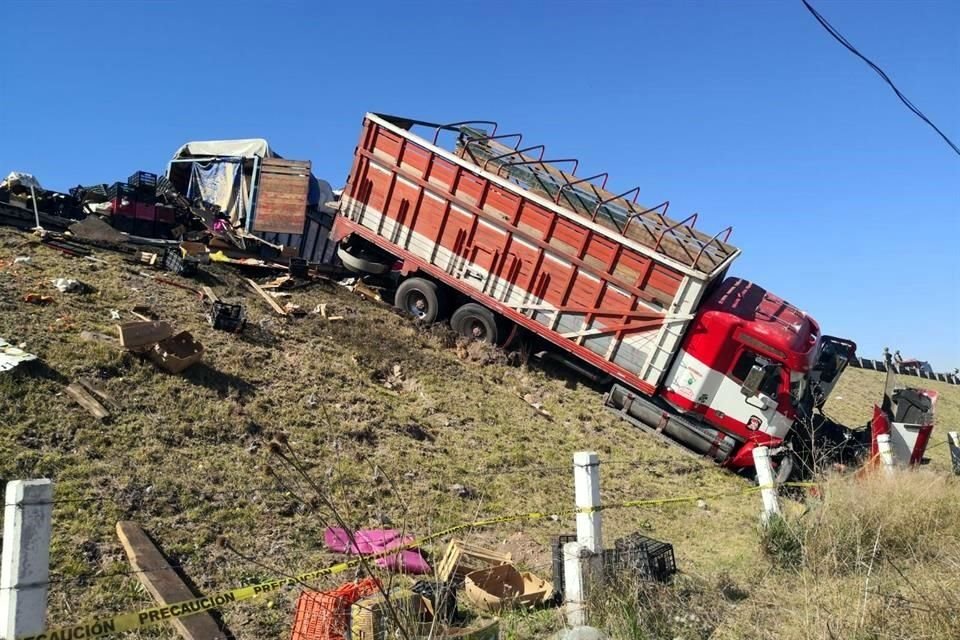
x=747, y=363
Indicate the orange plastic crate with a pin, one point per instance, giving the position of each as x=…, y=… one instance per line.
x=324, y=615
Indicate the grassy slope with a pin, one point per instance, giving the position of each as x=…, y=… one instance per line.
x=186, y=455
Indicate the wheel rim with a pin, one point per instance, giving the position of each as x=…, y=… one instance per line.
x=477, y=330
x=417, y=304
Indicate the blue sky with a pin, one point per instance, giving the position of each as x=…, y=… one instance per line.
x=747, y=112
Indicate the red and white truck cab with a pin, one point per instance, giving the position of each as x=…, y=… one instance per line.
x=746, y=363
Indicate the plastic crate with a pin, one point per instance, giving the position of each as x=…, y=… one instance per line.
x=121, y=190
x=298, y=267
x=644, y=557
x=227, y=317
x=556, y=545
x=143, y=181
x=325, y=615
x=174, y=262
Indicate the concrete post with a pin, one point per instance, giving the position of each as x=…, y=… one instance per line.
x=768, y=488
x=575, y=556
x=885, y=447
x=954, y=439
x=586, y=480
x=25, y=557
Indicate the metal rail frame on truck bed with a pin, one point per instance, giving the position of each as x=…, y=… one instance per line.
x=604, y=279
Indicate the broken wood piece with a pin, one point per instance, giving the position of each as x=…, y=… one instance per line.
x=136, y=335
x=211, y=296
x=335, y=318
x=162, y=581
x=366, y=292
x=97, y=390
x=323, y=309
x=277, y=282
x=93, y=336
x=266, y=296
x=87, y=401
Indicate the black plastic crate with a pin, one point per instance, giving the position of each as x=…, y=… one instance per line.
x=556, y=546
x=174, y=262
x=298, y=267
x=227, y=317
x=143, y=181
x=644, y=557
x=634, y=555
x=121, y=190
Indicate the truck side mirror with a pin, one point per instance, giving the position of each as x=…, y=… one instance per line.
x=751, y=384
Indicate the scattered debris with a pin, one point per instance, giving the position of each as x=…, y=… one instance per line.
x=278, y=282
x=462, y=491
x=366, y=292
x=37, y=298
x=462, y=558
x=502, y=587
x=155, y=573
x=93, y=387
x=175, y=354
x=209, y=294
x=21, y=260
x=69, y=285
x=93, y=336
x=537, y=406
x=83, y=397
x=115, y=314
x=227, y=317
x=375, y=617
x=11, y=356
x=325, y=614
x=266, y=296
x=294, y=309
x=144, y=312
x=137, y=335
x=371, y=541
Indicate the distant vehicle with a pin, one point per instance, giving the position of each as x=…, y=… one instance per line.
x=914, y=365
x=497, y=239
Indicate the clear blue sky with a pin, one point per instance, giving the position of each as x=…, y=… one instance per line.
x=748, y=112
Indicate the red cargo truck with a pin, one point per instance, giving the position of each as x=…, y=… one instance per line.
x=494, y=236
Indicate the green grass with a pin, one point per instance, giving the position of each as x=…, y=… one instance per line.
x=385, y=416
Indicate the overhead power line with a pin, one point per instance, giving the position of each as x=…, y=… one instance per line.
x=846, y=43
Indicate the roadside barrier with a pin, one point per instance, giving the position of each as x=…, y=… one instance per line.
x=110, y=625
x=880, y=365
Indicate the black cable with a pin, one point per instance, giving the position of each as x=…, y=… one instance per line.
x=846, y=43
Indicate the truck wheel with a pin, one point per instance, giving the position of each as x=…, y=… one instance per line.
x=475, y=322
x=418, y=297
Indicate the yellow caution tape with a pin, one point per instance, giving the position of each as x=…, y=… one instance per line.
x=102, y=627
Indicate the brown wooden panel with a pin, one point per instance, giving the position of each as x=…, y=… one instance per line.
x=282, y=196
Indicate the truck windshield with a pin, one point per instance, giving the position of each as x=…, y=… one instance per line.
x=771, y=379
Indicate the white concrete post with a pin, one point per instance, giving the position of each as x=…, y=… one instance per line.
x=36, y=211
x=954, y=439
x=586, y=481
x=768, y=488
x=575, y=555
x=25, y=557
x=885, y=448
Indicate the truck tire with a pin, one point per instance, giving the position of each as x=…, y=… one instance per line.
x=358, y=261
x=418, y=297
x=475, y=322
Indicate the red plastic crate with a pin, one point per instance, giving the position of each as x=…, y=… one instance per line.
x=324, y=615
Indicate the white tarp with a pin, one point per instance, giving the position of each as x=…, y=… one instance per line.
x=11, y=356
x=246, y=148
x=23, y=179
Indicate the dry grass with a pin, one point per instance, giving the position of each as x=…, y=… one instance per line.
x=384, y=414
x=875, y=558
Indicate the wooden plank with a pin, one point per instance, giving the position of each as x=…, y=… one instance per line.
x=135, y=335
x=266, y=296
x=163, y=583
x=211, y=296
x=87, y=401
x=284, y=162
